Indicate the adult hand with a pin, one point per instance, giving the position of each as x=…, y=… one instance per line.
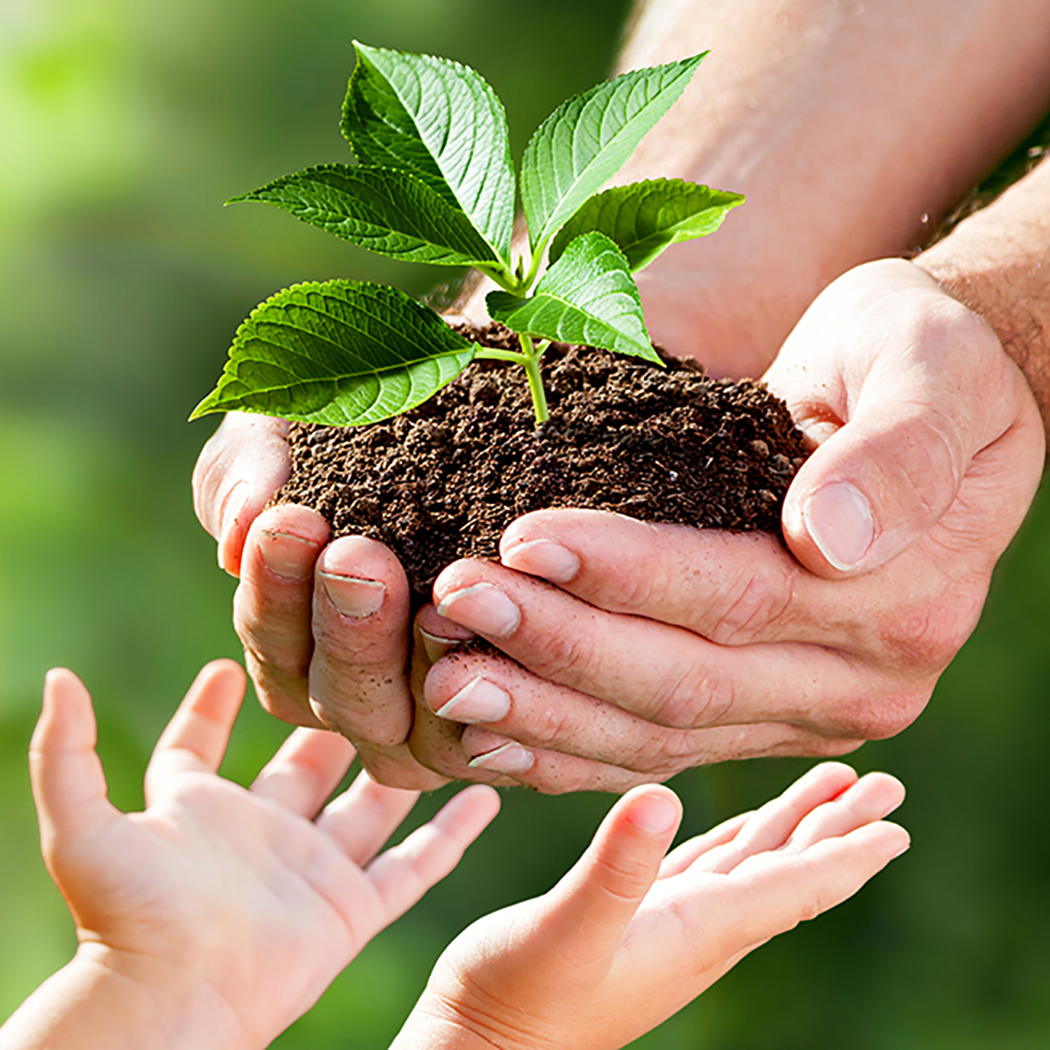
x=663, y=647
x=325, y=626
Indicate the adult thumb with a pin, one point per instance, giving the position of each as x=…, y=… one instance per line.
x=885, y=477
x=589, y=909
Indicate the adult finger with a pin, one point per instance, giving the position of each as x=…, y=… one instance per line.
x=871, y=798
x=403, y=874
x=586, y=913
x=935, y=390
x=507, y=699
x=437, y=635
x=272, y=608
x=360, y=626
x=685, y=681
x=732, y=588
x=364, y=816
x=769, y=827
x=69, y=785
x=239, y=469
x=305, y=771
x=196, y=738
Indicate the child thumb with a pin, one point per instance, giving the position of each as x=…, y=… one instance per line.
x=592, y=905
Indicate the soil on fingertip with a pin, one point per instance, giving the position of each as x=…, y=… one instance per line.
x=444, y=480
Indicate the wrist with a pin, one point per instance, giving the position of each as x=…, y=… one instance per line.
x=436, y=1023
x=114, y=1000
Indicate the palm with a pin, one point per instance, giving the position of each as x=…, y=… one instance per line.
x=625, y=940
x=261, y=896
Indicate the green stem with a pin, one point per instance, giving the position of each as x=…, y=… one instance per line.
x=488, y=354
x=532, y=370
x=503, y=277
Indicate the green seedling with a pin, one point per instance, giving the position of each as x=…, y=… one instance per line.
x=433, y=182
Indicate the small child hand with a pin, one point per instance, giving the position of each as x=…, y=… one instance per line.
x=629, y=936
x=229, y=910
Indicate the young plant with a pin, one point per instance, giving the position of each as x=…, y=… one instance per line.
x=434, y=183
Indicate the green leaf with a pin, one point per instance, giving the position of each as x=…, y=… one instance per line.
x=443, y=123
x=644, y=218
x=389, y=212
x=586, y=140
x=587, y=297
x=343, y=353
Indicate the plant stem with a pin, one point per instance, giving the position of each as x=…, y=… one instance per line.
x=488, y=354
x=532, y=370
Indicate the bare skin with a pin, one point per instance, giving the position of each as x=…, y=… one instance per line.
x=168, y=956
x=809, y=115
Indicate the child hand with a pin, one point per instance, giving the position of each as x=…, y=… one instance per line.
x=235, y=908
x=629, y=936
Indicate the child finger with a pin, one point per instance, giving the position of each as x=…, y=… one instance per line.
x=873, y=797
x=403, y=874
x=681, y=857
x=589, y=909
x=364, y=816
x=195, y=740
x=769, y=827
x=305, y=770
x=69, y=785
x=772, y=893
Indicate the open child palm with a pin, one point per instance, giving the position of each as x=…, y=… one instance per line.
x=216, y=917
x=630, y=935
x=233, y=907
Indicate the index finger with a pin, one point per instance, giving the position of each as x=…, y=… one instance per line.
x=196, y=738
x=731, y=588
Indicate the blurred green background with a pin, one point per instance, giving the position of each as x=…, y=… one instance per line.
x=123, y=127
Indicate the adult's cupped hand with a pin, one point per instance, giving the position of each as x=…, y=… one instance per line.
x=661, y=647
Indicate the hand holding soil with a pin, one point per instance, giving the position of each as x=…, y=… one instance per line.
x=938, y=441
x=665, y=647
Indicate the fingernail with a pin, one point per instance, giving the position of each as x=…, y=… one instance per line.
x=840, y=521
x=436, y=647
x=901, y=851
x=483, y=608
x=510, y=758
x=478, y=701
x=353, y=596
x=653, y=814
x=288, y=556
x=232, y=508
x=543, y=558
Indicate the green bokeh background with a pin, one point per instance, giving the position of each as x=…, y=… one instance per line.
x=123, y=126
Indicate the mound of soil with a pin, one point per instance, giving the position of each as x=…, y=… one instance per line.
x=443, y=481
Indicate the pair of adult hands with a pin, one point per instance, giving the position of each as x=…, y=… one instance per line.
x=640, y=650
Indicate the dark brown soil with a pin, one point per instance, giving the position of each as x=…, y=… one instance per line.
x=444, y=480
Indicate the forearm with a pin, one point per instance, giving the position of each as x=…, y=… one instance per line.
x=94, y=1003
x=850, y=127
x=997, y=263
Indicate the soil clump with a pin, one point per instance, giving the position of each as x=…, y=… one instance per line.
x=444, y=480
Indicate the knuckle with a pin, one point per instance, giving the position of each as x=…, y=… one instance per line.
x=619, y=877
x=208, y=476
x=691, y=696
x=752, y=604
x=549, y=725
x=928, y=633
x=885, y=716
x=266, y=651
x=568, y=655
x=675, y=751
